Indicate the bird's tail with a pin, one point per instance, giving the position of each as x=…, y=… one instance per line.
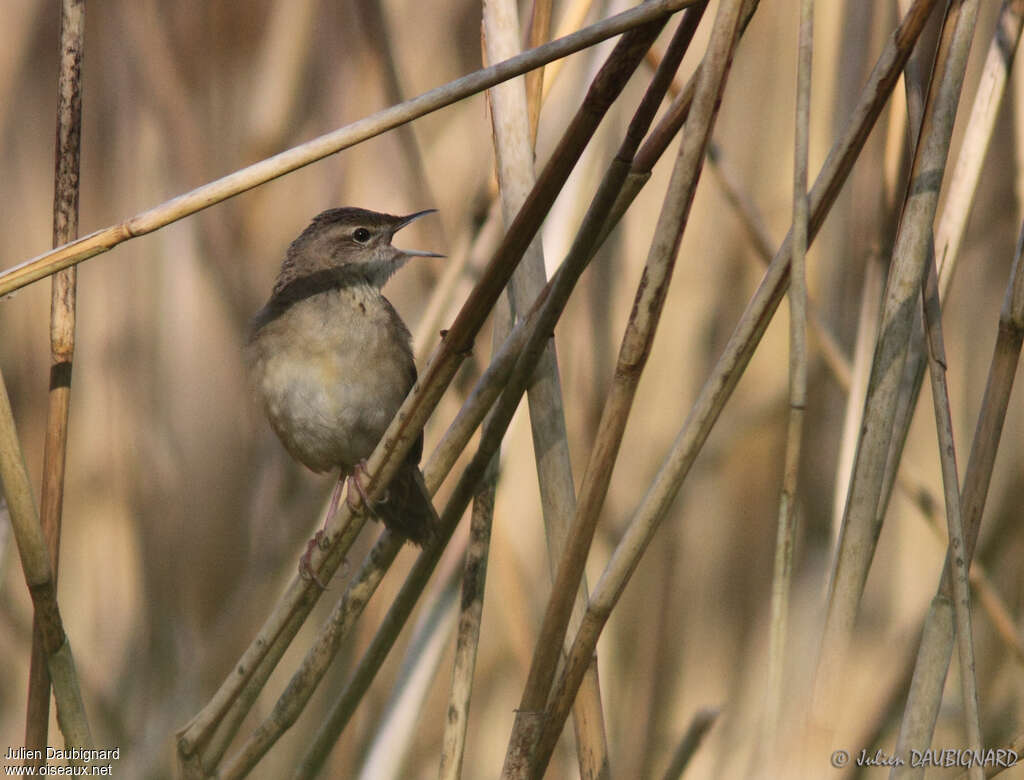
x=407, y=508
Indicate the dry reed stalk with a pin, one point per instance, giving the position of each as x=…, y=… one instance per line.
x=785, y=539
x=663, y=133
x=514, y=153
x=506, y=343
x=299, y=156
x=930, y=673
x=859, y=372
x=737, y=353
x=948, y=237
x=474, y=242
x=860, y=529
x=935, y=649
x=485, y=392
x=889, y=155
x=953, y=221
x=530, y=758
x=474, y=580
x=569, y=575
x=954, y=517
x=513, y=136
x=35, y=564
x=959, y=195
x=62, y=345
x=478, y=548
x=995, y=606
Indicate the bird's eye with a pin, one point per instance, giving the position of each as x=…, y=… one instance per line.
x=362, y=235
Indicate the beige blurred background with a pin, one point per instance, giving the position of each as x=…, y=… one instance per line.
x=184, y=517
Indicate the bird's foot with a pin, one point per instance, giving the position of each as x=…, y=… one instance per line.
x=356, y=496
x=320, y=537
x=306, y=561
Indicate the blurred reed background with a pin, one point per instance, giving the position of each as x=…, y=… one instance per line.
x=184, y=517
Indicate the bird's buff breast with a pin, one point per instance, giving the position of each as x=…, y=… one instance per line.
x=331, y=394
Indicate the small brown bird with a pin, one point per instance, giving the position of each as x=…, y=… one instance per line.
x=331, y=360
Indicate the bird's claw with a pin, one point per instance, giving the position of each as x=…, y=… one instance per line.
x=360, y=500
x=305, y=562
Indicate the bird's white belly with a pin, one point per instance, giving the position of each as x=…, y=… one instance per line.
x=331, y=400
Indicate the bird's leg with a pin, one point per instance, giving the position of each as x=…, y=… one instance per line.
x=320, y=537
x=332, y=507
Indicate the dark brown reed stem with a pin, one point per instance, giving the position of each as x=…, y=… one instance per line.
x=62, y=342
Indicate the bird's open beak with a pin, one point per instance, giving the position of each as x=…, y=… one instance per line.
x=405, y=221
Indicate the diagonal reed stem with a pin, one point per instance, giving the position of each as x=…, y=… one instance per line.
x=570, y=567
x=35, y=565
x=297, y=157
x=737, y=353
x=935, y=649
x=954, y=518
x=530, y=758
x=860, y=527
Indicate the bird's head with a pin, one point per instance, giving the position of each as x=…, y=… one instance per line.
x=356, y=240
